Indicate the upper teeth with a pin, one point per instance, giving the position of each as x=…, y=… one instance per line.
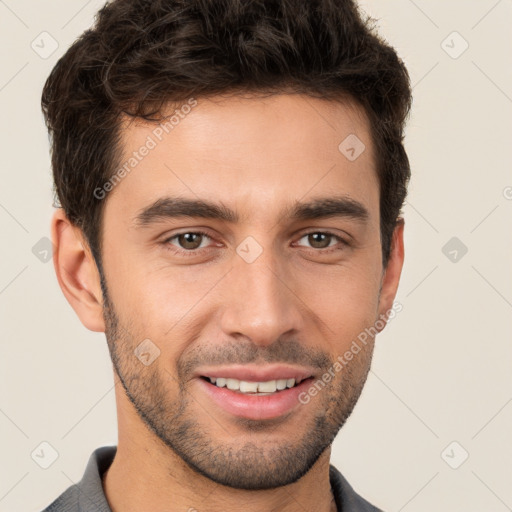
x=244, y=386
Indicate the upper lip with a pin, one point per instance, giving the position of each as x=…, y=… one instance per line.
x=255, y=373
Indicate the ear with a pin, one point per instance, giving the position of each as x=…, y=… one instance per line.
x=76, y=271
x=391, y=276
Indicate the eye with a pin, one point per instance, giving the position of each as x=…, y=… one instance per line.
x=322, y=240
x=188, y=242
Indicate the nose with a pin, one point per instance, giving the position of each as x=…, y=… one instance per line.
x=260, y=303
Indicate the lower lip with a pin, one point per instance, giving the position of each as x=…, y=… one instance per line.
x=254, y=407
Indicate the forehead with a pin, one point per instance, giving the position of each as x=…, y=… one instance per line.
x=257, y=154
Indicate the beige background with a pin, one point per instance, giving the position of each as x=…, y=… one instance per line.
x=442, y=367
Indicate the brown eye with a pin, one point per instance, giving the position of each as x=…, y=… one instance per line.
x=319, y=240
x=189, y=240
x=322, y=240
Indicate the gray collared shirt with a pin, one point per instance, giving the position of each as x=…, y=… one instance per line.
x=88, y=496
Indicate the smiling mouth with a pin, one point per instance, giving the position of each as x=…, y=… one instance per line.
x=269, y=387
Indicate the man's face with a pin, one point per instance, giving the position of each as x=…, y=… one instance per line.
x=265, y=297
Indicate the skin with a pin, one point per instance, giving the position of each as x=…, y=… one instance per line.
x=296, y=303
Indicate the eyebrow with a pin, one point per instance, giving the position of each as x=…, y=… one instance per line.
x=319, y=208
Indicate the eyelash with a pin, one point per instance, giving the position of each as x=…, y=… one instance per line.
x=194, y=252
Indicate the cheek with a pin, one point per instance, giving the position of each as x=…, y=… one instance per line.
x=161, y=304
x=346, y=300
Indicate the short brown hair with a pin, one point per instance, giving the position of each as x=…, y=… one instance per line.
x=143, y=54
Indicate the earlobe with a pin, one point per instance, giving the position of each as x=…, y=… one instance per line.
x=391, y=277
x=76, y=272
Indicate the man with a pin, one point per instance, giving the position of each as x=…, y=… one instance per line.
x=230, y=177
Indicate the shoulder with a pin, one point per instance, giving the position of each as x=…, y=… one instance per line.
x=346, y=498
x=89, y=491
